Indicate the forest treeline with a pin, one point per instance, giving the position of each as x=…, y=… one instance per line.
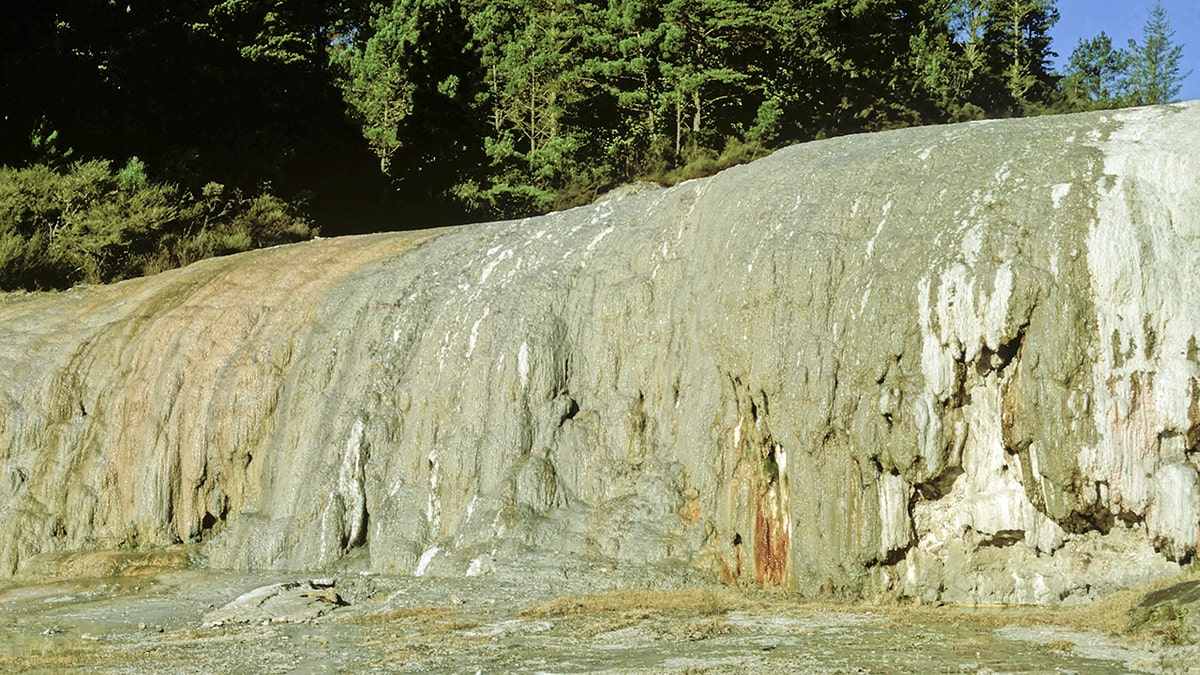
x=413, y=113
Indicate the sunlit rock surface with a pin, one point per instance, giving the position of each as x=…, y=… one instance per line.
x=958, y=363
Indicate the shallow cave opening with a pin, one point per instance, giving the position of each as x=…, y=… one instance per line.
x=1097, y=519
x=1009, y=351
x=1001, y=539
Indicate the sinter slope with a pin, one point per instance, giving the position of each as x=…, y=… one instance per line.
x=955, y=362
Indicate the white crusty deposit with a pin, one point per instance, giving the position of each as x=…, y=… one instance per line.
x=958, y=362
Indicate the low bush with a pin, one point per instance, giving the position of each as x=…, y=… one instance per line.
x=89, y=223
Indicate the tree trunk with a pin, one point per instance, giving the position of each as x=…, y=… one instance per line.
x=678, y=127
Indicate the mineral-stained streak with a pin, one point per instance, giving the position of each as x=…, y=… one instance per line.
x=959, y=363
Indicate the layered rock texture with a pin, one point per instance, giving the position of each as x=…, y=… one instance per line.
x=959, y=363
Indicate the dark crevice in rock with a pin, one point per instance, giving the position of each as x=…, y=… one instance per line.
x=1150, y=335
x=361, y=539
x=1009, y=352
x=1001, y=539
x=1192, y=441
x=1162, y=544
x=570, y=409
x=1094, y=516
x=771, y=467
x=1006, y=360
x=1130, y=518
x=894, y=556
x=890, y=365
x=940, y=485
x=961, y=396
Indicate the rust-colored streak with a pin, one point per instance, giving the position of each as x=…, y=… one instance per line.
x=770, y=543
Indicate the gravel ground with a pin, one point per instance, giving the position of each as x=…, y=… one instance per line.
x=572, y=620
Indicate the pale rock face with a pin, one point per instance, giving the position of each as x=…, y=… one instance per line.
x=958, y=363
x=1173, y=516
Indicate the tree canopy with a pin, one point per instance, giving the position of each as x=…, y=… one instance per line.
x=1154, y=70
x=388, y=114
x=1145, y=73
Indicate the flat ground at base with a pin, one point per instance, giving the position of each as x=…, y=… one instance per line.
x=542, y=623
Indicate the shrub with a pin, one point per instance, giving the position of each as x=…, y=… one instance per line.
x=1167, y=619
x=88, y=224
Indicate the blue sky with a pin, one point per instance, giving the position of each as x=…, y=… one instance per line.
x=1122, y=20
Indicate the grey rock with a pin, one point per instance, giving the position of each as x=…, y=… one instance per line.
x=958, y=363
x=287, y=602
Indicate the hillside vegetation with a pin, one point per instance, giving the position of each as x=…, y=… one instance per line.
x=414, y=113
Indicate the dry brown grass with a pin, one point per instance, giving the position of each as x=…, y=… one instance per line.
x=405, y=614
x=1110, y=615
x=456, y=625
x=703, y=629
x=606, y=625
x=1065, y=646
x=641, y=603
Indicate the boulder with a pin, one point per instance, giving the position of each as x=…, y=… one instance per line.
x=955, y=362
x=285, y=602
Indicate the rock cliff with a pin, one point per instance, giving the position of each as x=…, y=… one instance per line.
x=959, y=363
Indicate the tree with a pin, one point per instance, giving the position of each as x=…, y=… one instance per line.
x=627, y=63
x=376, y=78
x=703, y=51
x=540, y=137
x=282, y=31
x=1097, y=74
x=1154, y=75
x=569, y=97
x=1017, y=37
x=410, y=77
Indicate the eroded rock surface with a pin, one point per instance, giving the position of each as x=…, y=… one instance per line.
x=283, y=602
x=958, y=363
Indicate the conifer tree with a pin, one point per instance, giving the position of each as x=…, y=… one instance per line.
x=1096, y=74
x=1154, y=74
x=1018, y=39
x=703, y=52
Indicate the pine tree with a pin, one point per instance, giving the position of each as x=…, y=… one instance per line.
x=703, y=52
x=1018, y=39
x=1154, y=75
x=628, y=64
x=410, y=77
x=537, y=87
x=1097, y=74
